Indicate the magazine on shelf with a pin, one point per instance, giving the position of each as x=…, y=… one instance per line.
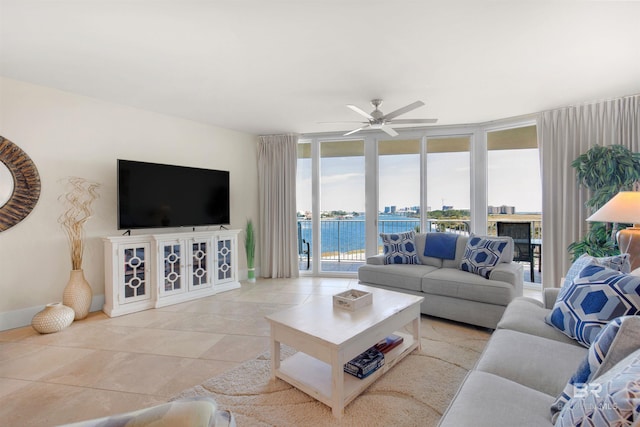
x=389, y=343
x=365, y=363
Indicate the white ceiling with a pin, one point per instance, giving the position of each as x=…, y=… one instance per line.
x=284, y=65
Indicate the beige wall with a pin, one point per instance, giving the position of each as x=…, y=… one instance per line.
x=69, y=135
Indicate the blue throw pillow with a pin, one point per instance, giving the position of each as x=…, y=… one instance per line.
x=592, y=299
x=400, y=248
x=617, y=262
x=615, y=341
x=612, y=399
x=482, y=254
x=441, y=245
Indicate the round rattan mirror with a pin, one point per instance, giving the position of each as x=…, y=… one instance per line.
x=19, y=184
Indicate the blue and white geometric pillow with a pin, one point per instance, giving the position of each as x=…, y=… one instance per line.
x=605, y=346
x=612, y=399
x=616, y=262
x=482, y=254
x=400, y=248
x=592, y=299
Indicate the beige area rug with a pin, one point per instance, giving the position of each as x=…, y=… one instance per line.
x=414, y=393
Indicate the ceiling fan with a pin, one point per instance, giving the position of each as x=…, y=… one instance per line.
x=378, y=120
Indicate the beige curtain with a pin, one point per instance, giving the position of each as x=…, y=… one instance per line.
x=563, y=135
x=277, y=162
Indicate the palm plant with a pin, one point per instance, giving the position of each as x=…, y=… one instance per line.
x=605, y=171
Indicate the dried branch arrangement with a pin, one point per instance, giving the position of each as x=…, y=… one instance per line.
x=77, y=203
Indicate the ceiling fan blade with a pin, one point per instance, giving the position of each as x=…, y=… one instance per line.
x=389, y=130
x=411, y=121
x=356, y=130
x=342, y=121
x=361, y=112
x=403, y=110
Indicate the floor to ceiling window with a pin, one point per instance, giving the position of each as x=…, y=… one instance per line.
x=449, y=184
x=514, y=187
x=342, y=205
x=450, y=179
x=304, y=201
x=398, y=186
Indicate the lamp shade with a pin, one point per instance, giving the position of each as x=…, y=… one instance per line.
x=623, y=208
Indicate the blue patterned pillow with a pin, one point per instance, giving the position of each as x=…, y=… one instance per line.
x=617, y=262
x=592, y=299
x=615, y=341
x=400, y=248
x=482, y=254
x=612, y=399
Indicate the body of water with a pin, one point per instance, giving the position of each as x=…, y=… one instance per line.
x=347, y=235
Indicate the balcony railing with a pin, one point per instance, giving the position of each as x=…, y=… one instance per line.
x=344, y=240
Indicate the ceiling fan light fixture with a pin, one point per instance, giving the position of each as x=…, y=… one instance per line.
x=378, y=120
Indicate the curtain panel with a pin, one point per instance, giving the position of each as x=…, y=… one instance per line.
x=277, y=162
x=563, y=135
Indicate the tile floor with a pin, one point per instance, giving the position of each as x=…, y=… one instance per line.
x=101, y=366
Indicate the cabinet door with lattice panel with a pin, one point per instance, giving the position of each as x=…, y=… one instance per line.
x=171, y=267
x=134, y=281
x=200, y=265
x=225, y=259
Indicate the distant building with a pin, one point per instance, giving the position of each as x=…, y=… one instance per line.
x=447, y=208
x=501, y=210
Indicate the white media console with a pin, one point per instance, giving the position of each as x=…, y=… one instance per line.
x=156, y=270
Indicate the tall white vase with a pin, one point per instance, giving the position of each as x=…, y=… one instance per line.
x=77, y=294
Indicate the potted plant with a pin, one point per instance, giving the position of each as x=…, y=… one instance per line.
x=605, y=171
x=77, y=210
x=250, y=247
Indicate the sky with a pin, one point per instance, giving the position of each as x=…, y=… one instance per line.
x=513, y=180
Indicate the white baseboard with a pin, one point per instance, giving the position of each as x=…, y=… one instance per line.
x=19, y=318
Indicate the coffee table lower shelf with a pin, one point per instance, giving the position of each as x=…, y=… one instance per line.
x=314, y=376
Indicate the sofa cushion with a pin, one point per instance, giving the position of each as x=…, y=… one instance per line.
x=401, y=276
x=527, y=315
x=616, y=341
x=400, y=248
x=421, y=240
x=459, y=284
x=441, y=245
x=487, y=400
x=535, y=362
x=461, y=245
x=591, y=300
x=482, y=254
x=612, y=399
x=617, y=262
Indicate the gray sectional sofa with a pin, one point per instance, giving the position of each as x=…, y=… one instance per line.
x=450, y=292
x=522, y=370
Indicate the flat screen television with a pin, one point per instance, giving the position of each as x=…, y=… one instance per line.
x=152, y=195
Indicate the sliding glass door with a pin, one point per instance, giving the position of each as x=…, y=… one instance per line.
x=342, y=205
x=399, y=187
x=448, y=192
x=351, y=190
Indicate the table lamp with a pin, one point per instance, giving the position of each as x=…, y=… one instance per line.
x=624, y=208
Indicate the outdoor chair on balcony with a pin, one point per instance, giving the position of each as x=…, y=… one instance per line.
x=520, y=232
x=304, y=248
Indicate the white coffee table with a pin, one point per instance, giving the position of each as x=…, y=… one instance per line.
x=327, y=337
